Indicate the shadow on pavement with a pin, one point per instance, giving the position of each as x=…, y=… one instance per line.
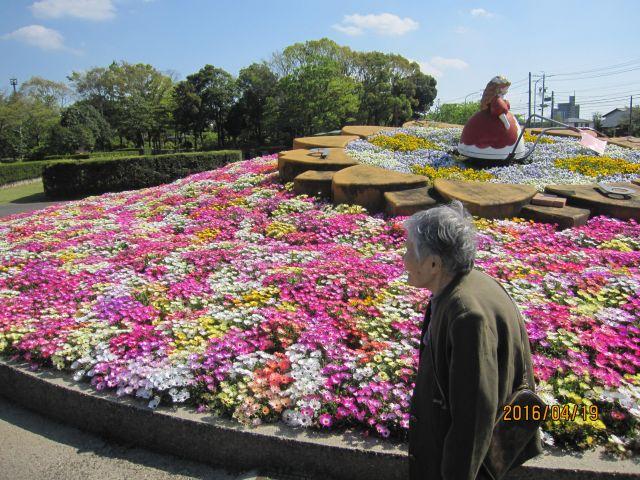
x=34, y=198
x=83, y=443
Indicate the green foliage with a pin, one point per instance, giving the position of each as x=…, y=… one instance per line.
x=15, y=172
x=209, y=141
x=457, y=113
x=81, y=128
x=71, y=156
x=256, y=84
x=69, y=179
x=314, y=98
x=24, y=125
x=308, y=87
x=205, y=98
x=391, y=89
x=394, y=89
x=52, y=94
x=133, y=98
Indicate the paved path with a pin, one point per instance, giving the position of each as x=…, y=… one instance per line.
x=33, y=447
x=7, y=209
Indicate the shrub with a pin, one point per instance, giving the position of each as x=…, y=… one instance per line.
x=17, y=171
x=69, y=179
x=70, y=156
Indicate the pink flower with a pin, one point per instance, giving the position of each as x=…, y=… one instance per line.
x=325, y=420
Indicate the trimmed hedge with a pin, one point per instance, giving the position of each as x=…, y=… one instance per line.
x=15, y=172
x=70, y=156
x=69, y=179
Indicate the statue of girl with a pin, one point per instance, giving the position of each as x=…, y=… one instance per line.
x=492, y=132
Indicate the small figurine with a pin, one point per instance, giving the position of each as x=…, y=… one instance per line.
x=492, y=132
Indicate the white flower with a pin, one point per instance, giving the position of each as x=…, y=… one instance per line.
x=155, y=402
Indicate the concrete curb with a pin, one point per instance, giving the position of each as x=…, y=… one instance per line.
x=222, y=442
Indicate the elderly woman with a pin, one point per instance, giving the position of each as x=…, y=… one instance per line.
x=472, y=338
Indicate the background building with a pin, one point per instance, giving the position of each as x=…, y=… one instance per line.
x=568, y=110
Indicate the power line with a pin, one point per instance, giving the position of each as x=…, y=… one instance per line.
x=597, y=76
x=600, y=87
x=597, y=69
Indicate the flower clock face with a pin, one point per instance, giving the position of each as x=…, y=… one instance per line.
x=423, y=151
x=226, y=291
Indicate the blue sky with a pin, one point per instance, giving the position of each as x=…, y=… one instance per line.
x=462, y=43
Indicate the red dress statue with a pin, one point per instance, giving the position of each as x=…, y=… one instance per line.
x=492, y=132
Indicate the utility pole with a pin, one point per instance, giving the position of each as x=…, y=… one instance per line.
x=630, y=114
x=529, y=110
x=552, y=100
x=544, y=91
x=14, y=83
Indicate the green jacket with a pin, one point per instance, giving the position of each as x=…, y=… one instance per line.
x=477, y=337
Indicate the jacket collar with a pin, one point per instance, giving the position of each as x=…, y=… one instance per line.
x=455, y=281
x=446, y=291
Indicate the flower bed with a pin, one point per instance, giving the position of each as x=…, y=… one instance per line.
x=557, y=160
x=226, y=291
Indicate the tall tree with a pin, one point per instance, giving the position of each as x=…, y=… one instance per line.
x=186, y=110
x=256, y=83
x=315, y=98
x=55, y=95
x=24, y=123
x=312, y=52
x=393, y=88
x=216, y=93
x=128, y=96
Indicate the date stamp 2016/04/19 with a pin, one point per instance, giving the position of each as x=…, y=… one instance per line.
x=550, y=412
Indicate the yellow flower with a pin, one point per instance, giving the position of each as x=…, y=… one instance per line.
x=454, y=173
x=287, y=307
x=279, y=229
x=529, y=137
x=207, y=234
x=594, y=166
x=403, y=142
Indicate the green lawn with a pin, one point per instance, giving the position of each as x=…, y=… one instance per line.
x=26, y=193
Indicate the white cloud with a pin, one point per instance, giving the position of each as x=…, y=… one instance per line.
x=461, y=30
x=481, y=12
x=437, y=65
x=429, y=69
x=445, y=63
x=38, y=36
x=84, y=9
x=382, y=24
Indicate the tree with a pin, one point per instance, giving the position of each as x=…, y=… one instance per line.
x=204, y=101
x=457, y=113
x=393, y=88
x=256, y=84
x=81, y=128
x=597, y=121
x=24, y=123
x=313, y=52
x=130, y=97
x=186, y=109
x=52, y=94
x=425, y=92
x=315, y=98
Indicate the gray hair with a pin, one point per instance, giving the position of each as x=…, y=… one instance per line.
x=446, y=231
